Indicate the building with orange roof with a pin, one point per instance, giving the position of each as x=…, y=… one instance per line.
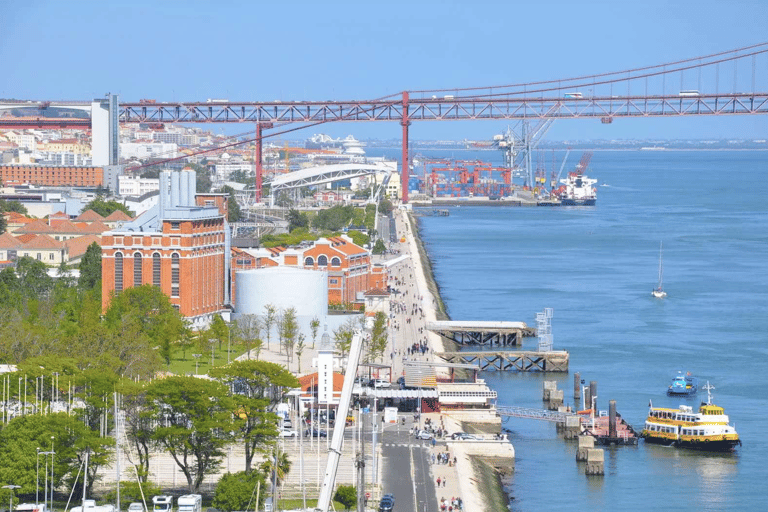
x=78, y=246
x=44, y=248
x=89, y=216
x=349, y=268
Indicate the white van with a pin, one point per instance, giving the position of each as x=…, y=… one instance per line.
x=162, y=503
x=190, y=503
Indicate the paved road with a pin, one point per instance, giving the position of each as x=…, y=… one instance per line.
x=406, y=470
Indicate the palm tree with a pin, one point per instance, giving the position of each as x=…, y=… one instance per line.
x=283, y=467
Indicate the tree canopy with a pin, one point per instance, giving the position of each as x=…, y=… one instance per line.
x=106, y=208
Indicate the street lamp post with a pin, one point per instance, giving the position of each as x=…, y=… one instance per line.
x=10, y=500
x=197, y=360
x=45, y=489
x=37, y=477
x=52, y=455
x=213, y=347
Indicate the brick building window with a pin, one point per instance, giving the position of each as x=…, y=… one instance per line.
x=308, y=261
x=156, y=270
x=175, y=275
x=322, y=260
x=335, y=262
x=118, y=272
x=137, y=276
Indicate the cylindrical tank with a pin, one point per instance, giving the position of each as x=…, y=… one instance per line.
x=283, y=287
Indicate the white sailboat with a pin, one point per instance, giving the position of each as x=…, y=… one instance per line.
x=659, y=292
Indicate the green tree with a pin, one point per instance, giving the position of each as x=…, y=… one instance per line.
x=106, y=208
x=314, y=325
x=289, y=330
x=379, y=247
x=300, y=346
x=90, y=268
x=233, y=209
x=152, y=313
x=261, y=385
x=219, y=330
x=249, y=328
x=346, y=495
x=358, y=238
x=237, y=491
x=194, y=418
x=22, y=436
x=343, y=337
x=378, y=337
x=385, y=206
x=270, y=315
x=13, y=206
x=333, y=219
x=276, y=470
x=241, y=176
x=33, y=277
x=296, y=219
x=138, y=423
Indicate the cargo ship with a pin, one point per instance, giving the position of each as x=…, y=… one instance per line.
x=577, y=190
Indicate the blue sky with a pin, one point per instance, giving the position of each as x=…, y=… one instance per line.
x=193, y=50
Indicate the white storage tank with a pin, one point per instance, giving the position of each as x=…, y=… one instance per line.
x=283, y=287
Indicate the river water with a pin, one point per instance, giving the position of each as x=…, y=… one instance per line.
x=596, y=266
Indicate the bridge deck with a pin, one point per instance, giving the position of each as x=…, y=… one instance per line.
x=468, y=332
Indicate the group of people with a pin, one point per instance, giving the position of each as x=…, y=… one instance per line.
x=451, y=505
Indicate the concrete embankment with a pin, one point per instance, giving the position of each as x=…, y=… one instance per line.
x=480, y=484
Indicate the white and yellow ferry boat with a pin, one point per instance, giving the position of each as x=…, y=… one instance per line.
x=706, y=430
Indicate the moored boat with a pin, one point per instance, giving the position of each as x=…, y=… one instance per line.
x=708, y=429
x=683, y=385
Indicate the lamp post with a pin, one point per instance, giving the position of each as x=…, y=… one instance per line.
x=10, y=500
x=45, y=489
x=197, y=360
x=52, y=455
x=212, y=341
x=37, y=477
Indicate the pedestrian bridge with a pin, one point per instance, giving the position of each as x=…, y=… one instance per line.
x=322, y=174
x=534, y=414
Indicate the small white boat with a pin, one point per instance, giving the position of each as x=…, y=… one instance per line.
x=659, y=292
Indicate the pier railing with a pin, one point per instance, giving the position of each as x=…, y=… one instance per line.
x=534, y=414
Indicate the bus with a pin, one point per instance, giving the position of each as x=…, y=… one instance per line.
x=689, y=93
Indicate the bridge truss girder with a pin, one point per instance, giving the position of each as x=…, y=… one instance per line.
x=449, y=110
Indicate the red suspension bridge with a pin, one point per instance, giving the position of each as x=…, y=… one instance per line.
x=733, y=82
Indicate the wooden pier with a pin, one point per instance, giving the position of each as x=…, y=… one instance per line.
x=512, y=360
x=468, y=332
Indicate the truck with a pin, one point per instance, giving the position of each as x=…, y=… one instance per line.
x=190, y=503
x=162, y=503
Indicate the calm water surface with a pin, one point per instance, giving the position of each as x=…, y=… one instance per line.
x=596, y=267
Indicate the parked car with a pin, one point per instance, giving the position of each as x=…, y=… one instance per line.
x=387, y=503
x=381, y=383
x=463, y=436
x=288, y=433
x=136, y=507
x=315, y=433
x=423, y=434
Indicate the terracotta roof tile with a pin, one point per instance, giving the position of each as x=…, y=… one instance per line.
x=78, y=246
x=26, y=238
x=36, y=226
x=89, y=216
x=118, y=215
x=44, y=242
x=8, y=241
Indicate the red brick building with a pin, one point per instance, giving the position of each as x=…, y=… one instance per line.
x=349, y=268
x=45, y=175
x=178, y=246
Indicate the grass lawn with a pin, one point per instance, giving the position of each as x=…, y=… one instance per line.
x=186, y=366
